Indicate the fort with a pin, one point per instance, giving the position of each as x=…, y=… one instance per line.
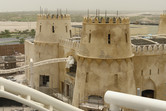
x=105, y=58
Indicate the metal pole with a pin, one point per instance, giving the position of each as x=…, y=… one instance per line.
x=31, y=72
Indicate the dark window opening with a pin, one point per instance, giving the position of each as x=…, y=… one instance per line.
x=95, y=99
x=66, y=28
x=109, y=38
x=72, y=70
x=44, y=80
x=8, y=103
x=53, y=29
x=86, y=77
x=148, y=93
x=40, y=28
x=70, y=34
x=116, y=80
x=126, y=37
x=62, y=86
x=67, y=90
x=158, y=71
x=150, y=72
x=141, y=72
x=89, y=37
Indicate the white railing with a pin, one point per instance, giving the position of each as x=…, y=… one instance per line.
x=49, y=61
x=32, y=98
x=117, y=100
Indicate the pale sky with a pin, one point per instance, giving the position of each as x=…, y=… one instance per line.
x=30, y=5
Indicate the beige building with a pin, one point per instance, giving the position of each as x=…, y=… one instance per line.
x=106, y=58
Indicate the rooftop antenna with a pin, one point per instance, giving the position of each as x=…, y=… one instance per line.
x=40, y=10
x=88, y=13
x=96, y=13
x=60, y=12
x=105, y=14
x=117, y=13
x=66, y=11
x=57, y=11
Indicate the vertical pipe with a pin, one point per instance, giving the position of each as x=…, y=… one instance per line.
x=138, y=92
x=31, y=72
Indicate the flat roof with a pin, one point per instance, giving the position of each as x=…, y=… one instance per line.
x=141, y=42
x=159, y=40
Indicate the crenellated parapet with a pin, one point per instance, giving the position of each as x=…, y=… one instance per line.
x=62, y=42
x=69, y=44
x=58, y=16
x=149, y=50
x=108, y=20
x=163, y=16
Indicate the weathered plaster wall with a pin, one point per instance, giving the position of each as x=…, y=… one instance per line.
x=151, y=68
x=95, y=77
x=29, y=53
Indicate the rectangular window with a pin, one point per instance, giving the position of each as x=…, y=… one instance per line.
x=89, y=37
x=109, y=38
x=126, y=38
x=40, y=28
x=53, y=29
x=67, y=90
x=66, y=29
x=62, y=87
x=70, y=34
x=44, y=80
x=86, y=77
x=158, y=71
x=142, y=72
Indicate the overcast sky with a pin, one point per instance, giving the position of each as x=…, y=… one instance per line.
x=29, y=5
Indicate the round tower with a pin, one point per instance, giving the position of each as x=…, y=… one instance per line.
x=46, y=46
x=104, y=60
x=162, y=24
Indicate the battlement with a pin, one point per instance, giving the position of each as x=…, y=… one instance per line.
x=57, y=17
x=149, y=49
x=62, y=42
x=163, y=16
x=69, y=44
x=107, y=20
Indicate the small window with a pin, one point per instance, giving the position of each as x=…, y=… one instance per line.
x=89, y=37
x=53, y=29
x=142, y=72
x=150, y=72
x=116, y=79
x=40, y=28
x=109, y=38
x=70, y=34
x=126, y=37
x=67, y=90
x=62, y=87
x=158, y=71
x=44, y=81
x=66, y=28
x=86, y=77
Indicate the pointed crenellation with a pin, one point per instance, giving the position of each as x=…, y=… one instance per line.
x=149, y=49
x=163, y=16
x=102, y=20
x=49, y=17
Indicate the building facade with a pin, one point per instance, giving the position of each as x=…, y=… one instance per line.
x=106, y=58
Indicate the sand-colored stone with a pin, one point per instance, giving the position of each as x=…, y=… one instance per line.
x=117, y=65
